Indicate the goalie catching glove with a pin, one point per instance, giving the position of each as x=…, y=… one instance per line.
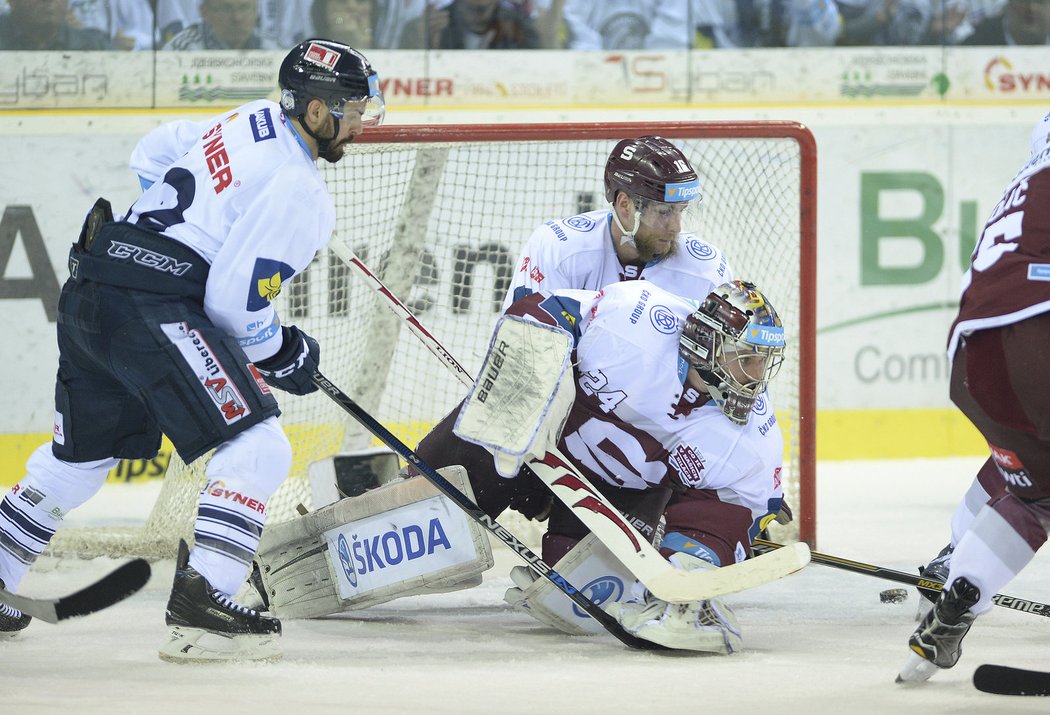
x=291, y=368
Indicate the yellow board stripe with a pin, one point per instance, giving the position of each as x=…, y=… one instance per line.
x=841, y=435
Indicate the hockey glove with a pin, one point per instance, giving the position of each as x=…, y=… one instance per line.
x=290, y=369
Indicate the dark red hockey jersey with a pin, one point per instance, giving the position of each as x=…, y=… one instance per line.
x=1009, y=275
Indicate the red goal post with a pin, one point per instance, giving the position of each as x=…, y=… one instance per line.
x=770, y=166
x=440, y=213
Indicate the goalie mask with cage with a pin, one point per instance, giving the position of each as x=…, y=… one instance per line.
x=735, y=340
x=659, y=179
x=333, y=73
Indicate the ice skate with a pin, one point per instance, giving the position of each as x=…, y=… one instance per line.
x=205, y=625
x=938, y=639
x=936, y=570
x=11, y=620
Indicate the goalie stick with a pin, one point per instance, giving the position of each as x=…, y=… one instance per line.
x=1004, y=680
x=923, y=584
x=538, y=565
x=112, y=588
x=600, y=516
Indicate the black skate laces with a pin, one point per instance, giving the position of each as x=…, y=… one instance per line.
x=226, y=602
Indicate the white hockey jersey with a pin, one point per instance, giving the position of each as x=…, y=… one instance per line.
x=242, y=190
x=635, y=422
x=578, y=253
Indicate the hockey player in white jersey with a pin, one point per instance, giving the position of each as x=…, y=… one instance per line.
x=671, y=417
x=166, y=326
x=652, y=189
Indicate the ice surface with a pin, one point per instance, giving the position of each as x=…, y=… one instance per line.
x=820, y=641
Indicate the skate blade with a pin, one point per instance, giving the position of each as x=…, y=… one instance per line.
x=916, y=670
x=193, y=645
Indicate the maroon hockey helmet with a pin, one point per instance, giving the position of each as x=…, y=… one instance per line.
x=650, y=168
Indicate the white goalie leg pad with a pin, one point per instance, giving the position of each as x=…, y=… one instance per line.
x=591, y=568
x=523, y=394
x=705, y=626
x=401, y=539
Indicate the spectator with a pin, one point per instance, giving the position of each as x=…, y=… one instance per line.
x=174, y=16
x=128, y=23
x=474, y=25
x=284, y=23
x=392, y=16
x=683, y=24
x=348, y=21
x=280, y=24
x=1022, y=22
x=224, y=25
x=43, y=25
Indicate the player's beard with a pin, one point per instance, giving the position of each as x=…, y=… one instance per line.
x=648, y=247
x=333, y=150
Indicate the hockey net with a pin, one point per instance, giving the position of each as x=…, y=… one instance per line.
x=440, y=213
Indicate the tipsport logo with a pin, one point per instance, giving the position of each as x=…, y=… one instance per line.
x=683, y=191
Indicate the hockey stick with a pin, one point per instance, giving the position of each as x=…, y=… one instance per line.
x=923, y=584
x=1004, y=680
x=600, y=516
x=538, y=565
x=108, y=590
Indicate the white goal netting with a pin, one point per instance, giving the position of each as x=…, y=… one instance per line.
x=440, y=214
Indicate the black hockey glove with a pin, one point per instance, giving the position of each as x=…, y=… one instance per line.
x=291, y=367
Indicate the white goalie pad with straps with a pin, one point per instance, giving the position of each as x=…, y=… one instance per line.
x=523, y=394
x=707, y=626
x=401, y=539
x=591, y=568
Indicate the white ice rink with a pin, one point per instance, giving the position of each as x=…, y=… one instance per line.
x=817, y=642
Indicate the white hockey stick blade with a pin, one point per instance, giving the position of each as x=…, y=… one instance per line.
x=639, y=556
x=112, y=588
x=686, y=586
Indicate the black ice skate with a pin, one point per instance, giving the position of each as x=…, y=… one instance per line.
x=205, y=625
x=11, y=619
x=936, y=570
x=937, y=642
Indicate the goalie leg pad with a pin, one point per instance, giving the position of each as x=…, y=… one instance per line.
x=401, y=539
x=708, y=626
x=590, y=567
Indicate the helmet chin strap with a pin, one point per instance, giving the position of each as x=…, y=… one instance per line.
x=323, y=143
x=628, y=236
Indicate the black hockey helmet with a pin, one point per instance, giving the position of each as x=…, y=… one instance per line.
x=650, y=168
x=332, y=72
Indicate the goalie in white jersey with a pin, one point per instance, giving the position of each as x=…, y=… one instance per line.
x=653, y=190
x=166, y=325
x=671, y=417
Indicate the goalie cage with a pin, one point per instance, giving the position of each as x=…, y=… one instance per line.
x=441, y=213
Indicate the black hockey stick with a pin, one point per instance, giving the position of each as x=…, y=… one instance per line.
x=1004, y=680
x=923, y=584
x=537, y=564
x=108, y=590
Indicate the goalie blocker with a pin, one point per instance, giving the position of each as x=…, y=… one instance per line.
x=400, y=539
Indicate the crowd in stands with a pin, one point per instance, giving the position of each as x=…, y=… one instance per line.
x=517, y=24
